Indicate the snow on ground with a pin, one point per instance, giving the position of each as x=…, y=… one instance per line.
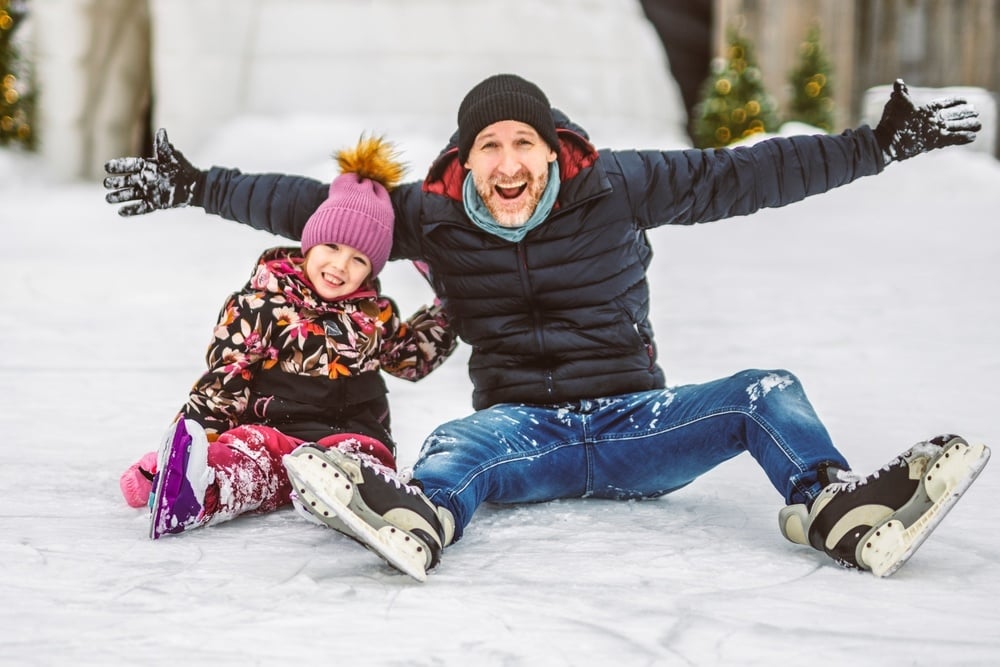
x=881, y=296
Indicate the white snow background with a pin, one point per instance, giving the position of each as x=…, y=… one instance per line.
x=881, y=296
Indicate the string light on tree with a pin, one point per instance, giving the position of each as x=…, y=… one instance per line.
x=16, y=100
x=734, y=103
x=812, y=94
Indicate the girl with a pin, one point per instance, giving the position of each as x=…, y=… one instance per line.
x=295, y=358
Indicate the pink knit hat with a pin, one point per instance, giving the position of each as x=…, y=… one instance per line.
x=357, y=213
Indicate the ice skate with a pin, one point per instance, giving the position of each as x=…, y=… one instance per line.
x=366, y=501
x=876, y=523
x=178, y=500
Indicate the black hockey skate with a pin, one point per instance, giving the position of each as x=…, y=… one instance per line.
x=357, y=496
x=876, y=523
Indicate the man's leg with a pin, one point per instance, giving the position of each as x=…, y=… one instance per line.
x=509, y=453
x=631, y=446
x=652, y=443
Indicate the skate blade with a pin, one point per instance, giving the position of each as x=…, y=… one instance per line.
x=309, y=508
x=890, y=545
x=304, y=512
x=160, y=481
x=320, y=494
x=168, y=483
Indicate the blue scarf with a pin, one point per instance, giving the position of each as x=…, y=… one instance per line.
x=480, y=215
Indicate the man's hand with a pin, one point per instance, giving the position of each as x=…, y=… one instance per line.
x=907, y=130
x=165, y=181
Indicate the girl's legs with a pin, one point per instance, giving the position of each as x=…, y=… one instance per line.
x=249, y=476
x=248, y=472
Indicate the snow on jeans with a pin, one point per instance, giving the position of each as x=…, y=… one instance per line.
x=638, y=445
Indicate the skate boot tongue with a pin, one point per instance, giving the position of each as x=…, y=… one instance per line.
x=832, y=473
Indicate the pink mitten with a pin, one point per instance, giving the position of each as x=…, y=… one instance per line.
x=137, y=482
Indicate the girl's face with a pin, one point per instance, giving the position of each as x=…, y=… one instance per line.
x=336, y=270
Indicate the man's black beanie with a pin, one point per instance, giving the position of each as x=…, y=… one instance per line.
x=504, y=97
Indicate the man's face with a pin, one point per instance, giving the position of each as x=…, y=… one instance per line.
x=509, y=162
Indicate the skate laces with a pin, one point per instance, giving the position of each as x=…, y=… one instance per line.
x=836, y=479
x=400, y=480
x=848, y=480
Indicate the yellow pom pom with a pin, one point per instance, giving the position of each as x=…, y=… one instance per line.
x=373, y=158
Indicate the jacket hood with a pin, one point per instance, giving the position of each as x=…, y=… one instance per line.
x=447, y=175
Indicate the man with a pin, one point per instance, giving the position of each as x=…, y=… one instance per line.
x=536, y=246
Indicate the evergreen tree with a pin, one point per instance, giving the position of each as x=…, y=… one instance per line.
x=812, y=94
x=734, y=103
x=16, y=101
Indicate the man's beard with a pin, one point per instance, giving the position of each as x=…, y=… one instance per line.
x=506, y=216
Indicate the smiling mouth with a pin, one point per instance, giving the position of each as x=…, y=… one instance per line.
x=510, y=192
x=332, y=279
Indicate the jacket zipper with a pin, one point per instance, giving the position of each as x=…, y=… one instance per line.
x=536, y=318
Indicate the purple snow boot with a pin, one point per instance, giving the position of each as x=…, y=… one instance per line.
x=178, y=501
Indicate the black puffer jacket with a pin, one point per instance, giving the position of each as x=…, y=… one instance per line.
x=564, y=314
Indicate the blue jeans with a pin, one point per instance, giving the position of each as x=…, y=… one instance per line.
x=638, y=445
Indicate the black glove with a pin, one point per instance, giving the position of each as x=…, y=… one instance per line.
x=907, y=130
x=165, y=181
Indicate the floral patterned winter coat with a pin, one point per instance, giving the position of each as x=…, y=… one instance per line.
x=284, y=357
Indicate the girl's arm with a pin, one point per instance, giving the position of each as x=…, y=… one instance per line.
x=414, y=348
x=239, y=347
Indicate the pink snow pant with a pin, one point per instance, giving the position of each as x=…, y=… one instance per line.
x=249, y=476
